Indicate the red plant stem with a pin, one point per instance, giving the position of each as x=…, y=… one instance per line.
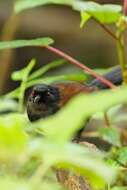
x=125, y=7
x=82, y=66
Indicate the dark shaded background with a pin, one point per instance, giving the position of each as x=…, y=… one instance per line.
x=90, y=45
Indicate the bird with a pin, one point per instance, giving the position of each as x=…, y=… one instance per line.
x=45, y=100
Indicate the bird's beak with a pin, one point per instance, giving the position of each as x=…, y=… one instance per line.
x=37, y=99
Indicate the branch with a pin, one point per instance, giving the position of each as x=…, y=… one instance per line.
x=106, y=29
x=82, y=66
x=125, y=7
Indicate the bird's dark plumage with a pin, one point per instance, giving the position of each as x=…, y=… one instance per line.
x=115, y=76
x=42, y=102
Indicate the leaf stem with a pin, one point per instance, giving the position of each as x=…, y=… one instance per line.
x=107, y=30
x=82, y=66
x=121, y=55
x=40, y=173
x=21, y=95
x=106, y=119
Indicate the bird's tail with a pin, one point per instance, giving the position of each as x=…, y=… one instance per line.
x=114, y=76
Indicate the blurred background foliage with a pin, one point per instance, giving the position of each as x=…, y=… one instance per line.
x=90, y=45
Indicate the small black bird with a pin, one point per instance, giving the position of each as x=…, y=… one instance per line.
x=46, y=100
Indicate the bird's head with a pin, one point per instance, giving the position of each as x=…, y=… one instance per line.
x=42, y=102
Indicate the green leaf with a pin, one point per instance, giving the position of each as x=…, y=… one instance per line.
x=12, y=137
x=12, y=94
x=107, y=13
x=48, y=80
x=85, y=162
x=24, y=43
x=119, y=188
x=27, y=4
x=71, y=118
x=22, y=183
x=13, y=183
x=23, y=73
x=110, y=135
x=84, y=18
x=121, y=156
x=46, y=68
x=8, y=105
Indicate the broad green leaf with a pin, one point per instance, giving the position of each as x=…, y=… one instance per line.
x=26, y=4
x=71, y=118
x=13, y=183
x=110, y=135
x=121, y=156
x=22, y=183
x=84, y=18
x=107, y=13
x=7, y=105
x=23, y=73
x=12, y=137
x=112, y=162
x=85, y=162
x=119, y=188
x=24, y=43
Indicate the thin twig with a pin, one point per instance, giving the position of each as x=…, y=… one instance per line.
x=106, y=119
x=40, y=173
x=82, y=66
x=106, y=29
x=125, y=7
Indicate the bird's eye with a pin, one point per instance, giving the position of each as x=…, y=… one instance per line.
x=33, y=93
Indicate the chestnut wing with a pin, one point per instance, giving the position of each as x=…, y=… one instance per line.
x=69, y=90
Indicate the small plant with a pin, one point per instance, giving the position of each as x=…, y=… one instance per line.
x=32, y=152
